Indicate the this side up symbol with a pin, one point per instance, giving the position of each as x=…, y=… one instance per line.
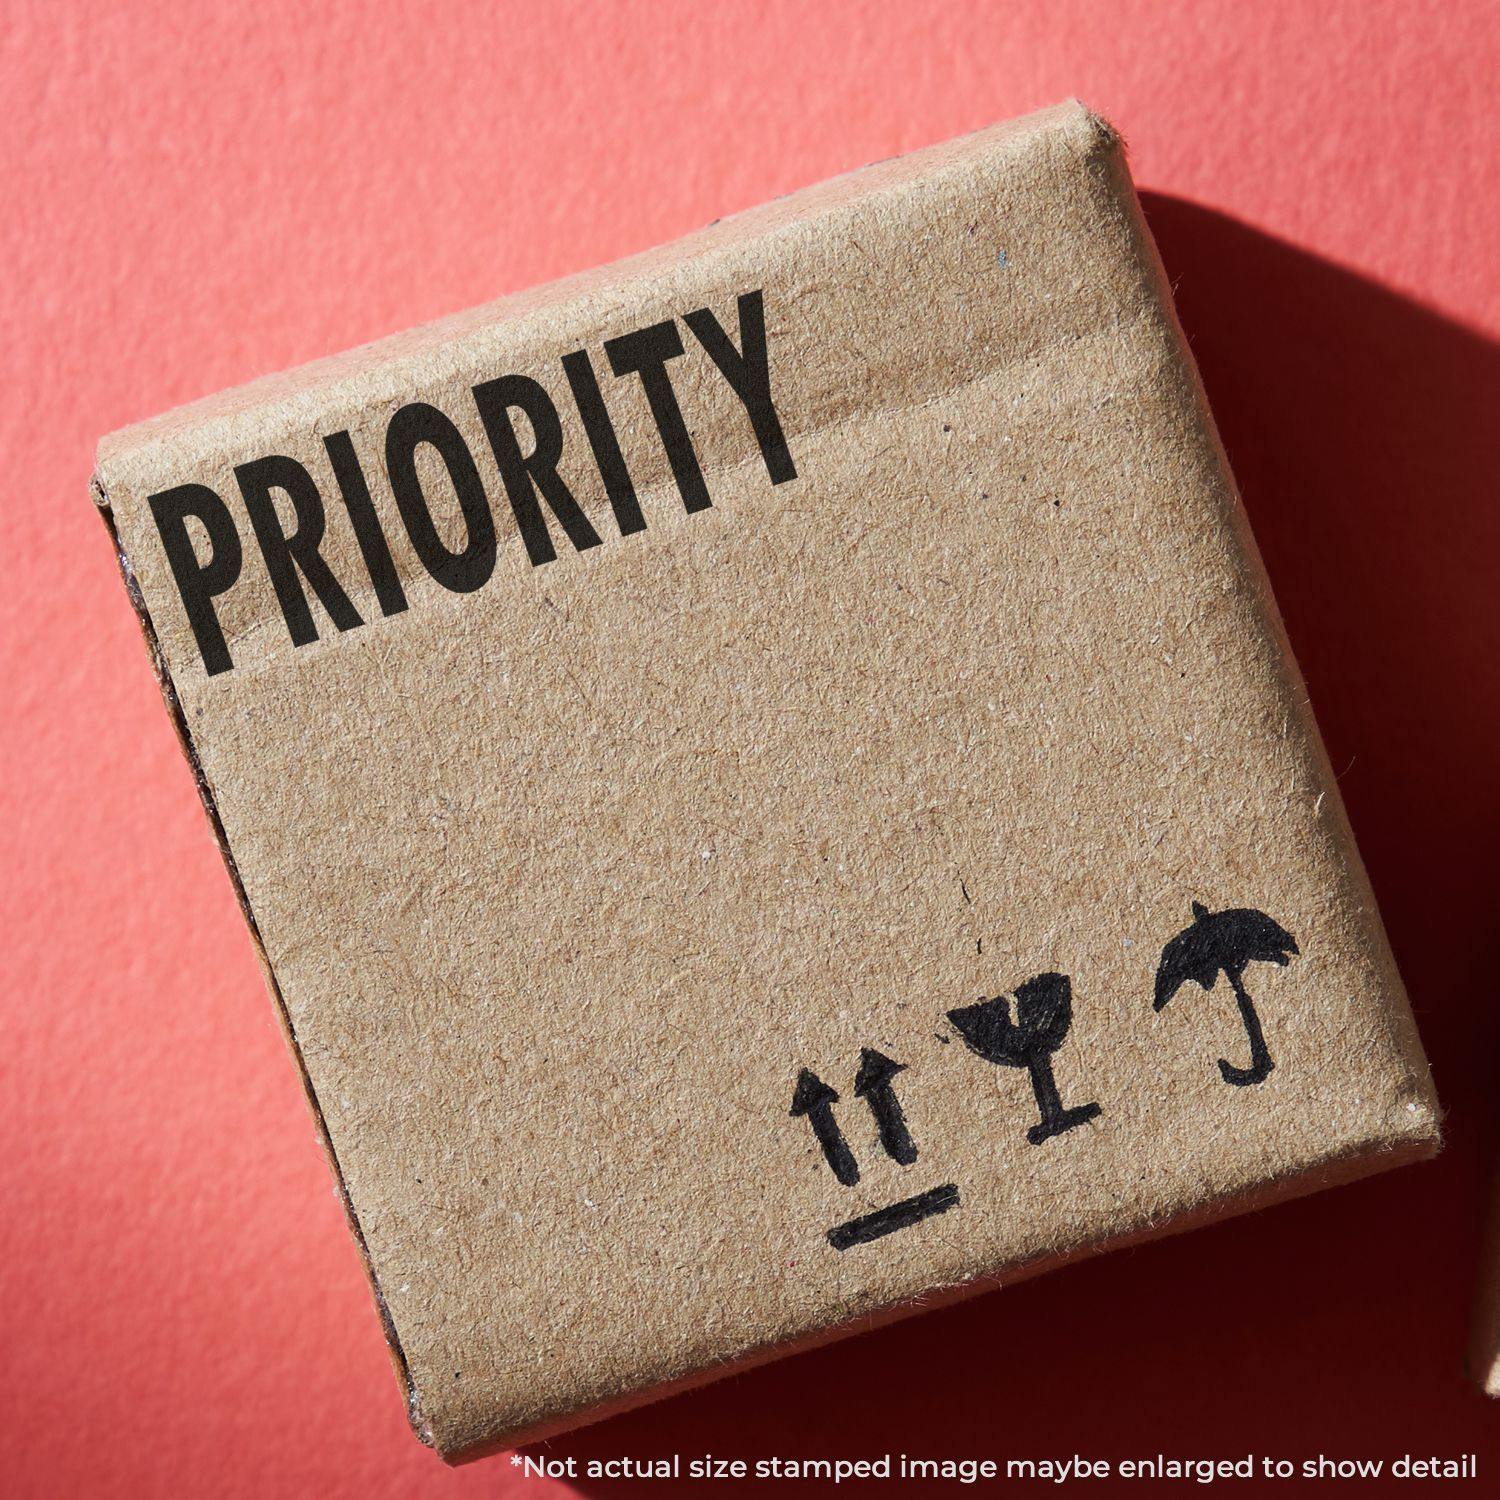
x=873, y=1084
x=1044, y=1013
x=814, y=1100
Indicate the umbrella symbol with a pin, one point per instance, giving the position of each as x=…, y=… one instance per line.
x=1227, y=942
x=1044, y=1012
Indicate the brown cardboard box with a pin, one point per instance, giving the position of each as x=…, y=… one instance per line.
x=637, y=714
x=1484, y=1334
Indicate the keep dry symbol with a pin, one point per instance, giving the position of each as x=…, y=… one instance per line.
x=1044, y=1013
x=1227, y=942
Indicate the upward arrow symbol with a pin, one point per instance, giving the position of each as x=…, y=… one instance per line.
x=815, y=1099
x=873, y=1084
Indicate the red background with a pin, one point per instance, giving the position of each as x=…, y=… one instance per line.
x=195, y=196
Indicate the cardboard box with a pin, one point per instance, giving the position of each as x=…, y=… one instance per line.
x=1484, y=1331
x=655, y=724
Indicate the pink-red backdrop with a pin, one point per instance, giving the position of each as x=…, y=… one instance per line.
x=196, y=195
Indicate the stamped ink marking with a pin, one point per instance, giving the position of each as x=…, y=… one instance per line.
x=1227, y=942
x=900, y=1215
x=815, y=1099
x=1044, y=1014
x=874, y=1083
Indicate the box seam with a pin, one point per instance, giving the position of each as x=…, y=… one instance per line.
x=173, y=704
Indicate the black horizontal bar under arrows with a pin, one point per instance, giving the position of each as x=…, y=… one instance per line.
x=895, y=1216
